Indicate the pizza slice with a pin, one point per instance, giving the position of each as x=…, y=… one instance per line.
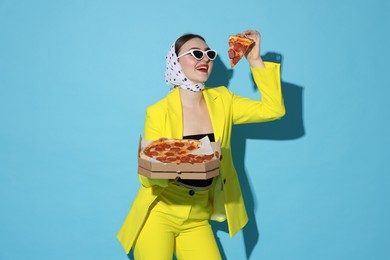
x=238, y=46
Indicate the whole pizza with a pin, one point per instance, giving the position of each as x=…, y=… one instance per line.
x=170, y=150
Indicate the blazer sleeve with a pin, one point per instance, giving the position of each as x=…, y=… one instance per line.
x=271, y=105
x=154, y=123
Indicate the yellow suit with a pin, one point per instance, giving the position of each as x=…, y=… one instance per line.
x=164, y=119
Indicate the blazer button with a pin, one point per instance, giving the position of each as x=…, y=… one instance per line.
x=220, y=157
x=224, y=181
x=191, y=192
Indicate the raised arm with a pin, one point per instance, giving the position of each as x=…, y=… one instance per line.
x=267, y=78
x=271, y=105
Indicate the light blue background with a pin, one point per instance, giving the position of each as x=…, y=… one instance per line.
x=76, y=77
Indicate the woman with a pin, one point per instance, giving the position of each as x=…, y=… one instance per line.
x=172, y=216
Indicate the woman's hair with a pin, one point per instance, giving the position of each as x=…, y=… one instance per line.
x=185, y=38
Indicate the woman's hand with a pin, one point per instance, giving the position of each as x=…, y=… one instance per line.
x=253, y=53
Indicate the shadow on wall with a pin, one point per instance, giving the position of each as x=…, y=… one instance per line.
x=288, y=128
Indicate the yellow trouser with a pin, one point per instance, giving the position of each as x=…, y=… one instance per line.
x=178, y=223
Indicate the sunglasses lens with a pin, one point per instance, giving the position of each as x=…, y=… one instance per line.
x=211, y=54
x=197, y=54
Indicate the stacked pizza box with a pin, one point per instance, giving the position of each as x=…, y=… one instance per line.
x=197, y=171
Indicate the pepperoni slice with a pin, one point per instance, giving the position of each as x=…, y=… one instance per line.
x=166, y=146
x=151, y=153
x=161, y=159
x=231, y=54
x=191, y=147
x=159, y=148
x=185, y=159
x=238, y=47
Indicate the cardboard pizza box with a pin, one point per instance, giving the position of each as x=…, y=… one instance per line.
x=196, y=171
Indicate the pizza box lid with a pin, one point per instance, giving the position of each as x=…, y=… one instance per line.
x=183, y=170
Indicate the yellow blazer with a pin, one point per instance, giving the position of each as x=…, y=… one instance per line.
x=164, y=119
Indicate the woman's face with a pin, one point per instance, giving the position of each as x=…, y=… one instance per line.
x=198, y=71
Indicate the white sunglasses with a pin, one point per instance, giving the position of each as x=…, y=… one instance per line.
x=199, y=54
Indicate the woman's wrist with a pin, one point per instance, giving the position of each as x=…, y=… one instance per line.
x=256, y=63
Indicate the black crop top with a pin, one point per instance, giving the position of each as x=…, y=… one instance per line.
x=198, y=183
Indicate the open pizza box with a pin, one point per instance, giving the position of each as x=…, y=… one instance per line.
x=195, y=171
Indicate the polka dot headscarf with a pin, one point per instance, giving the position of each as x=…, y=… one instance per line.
x=174, y=74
